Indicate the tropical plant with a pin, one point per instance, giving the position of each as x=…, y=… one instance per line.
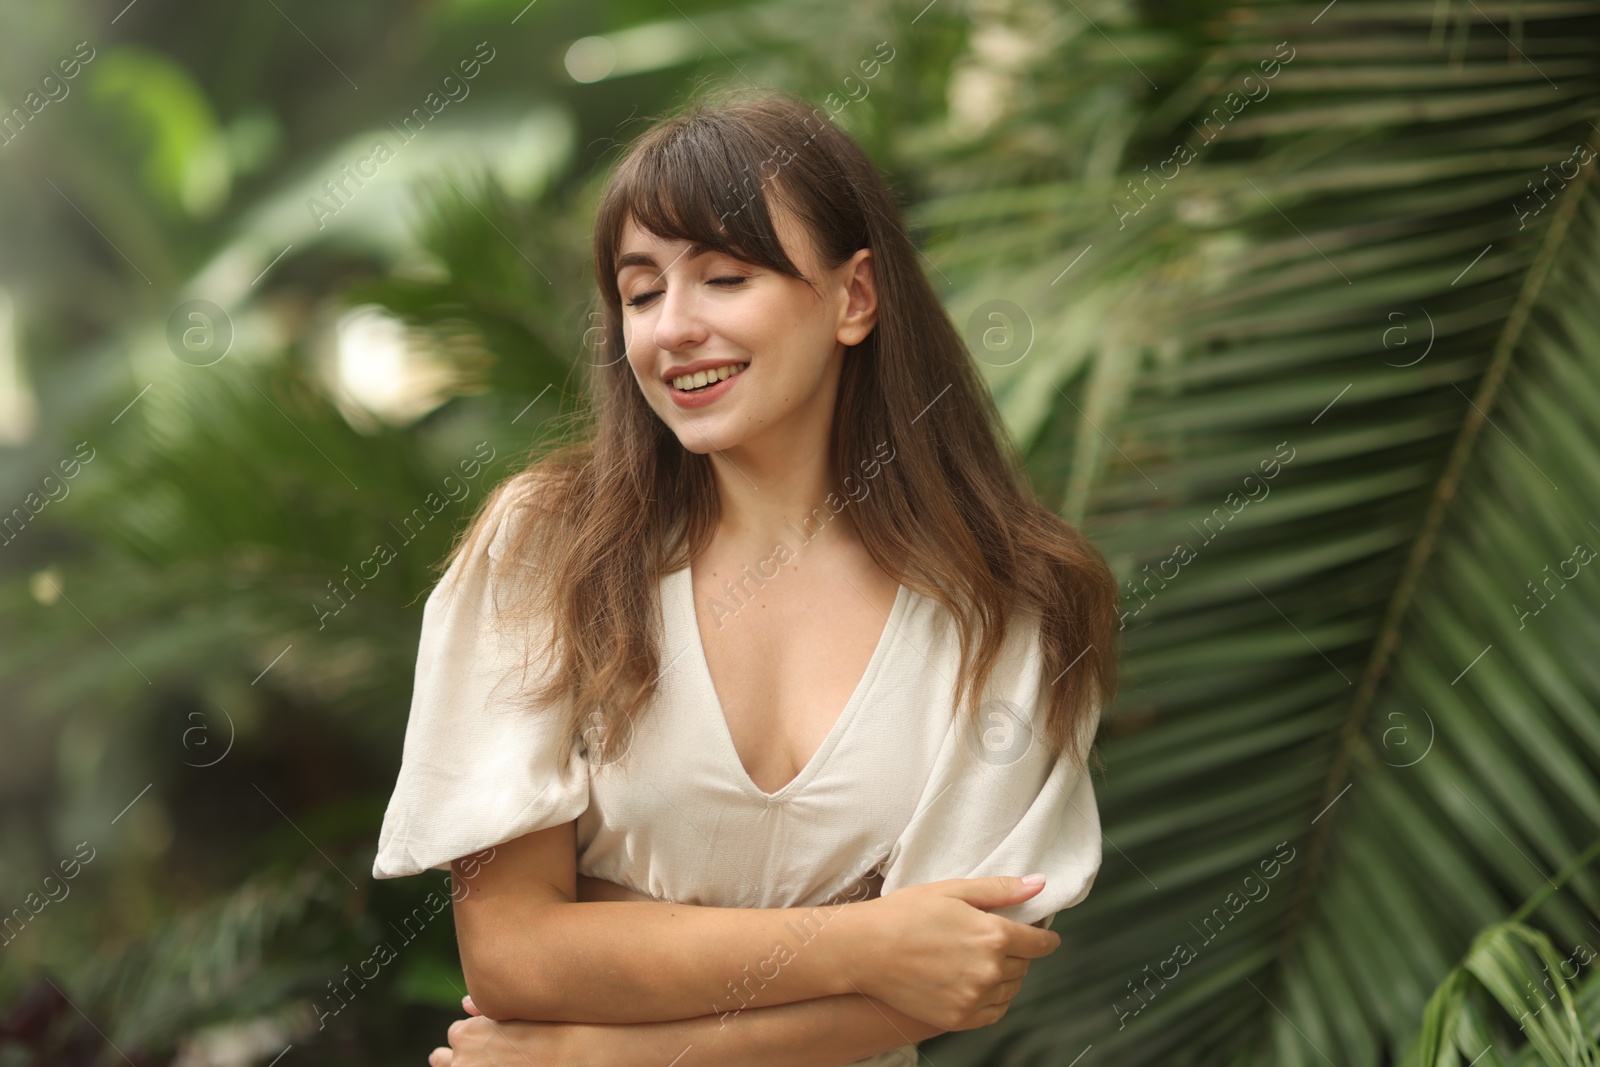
x=1459, y=1021
x=1347, y=260
x=191, y=688
x=1311, y=355
x=1316, y=365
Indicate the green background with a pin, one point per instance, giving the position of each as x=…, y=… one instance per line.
x=1355, y=245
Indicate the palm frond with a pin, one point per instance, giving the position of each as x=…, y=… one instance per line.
x=1352, y=417
x=1520, y=969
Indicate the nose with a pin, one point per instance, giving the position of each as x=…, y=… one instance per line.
x=678, y=324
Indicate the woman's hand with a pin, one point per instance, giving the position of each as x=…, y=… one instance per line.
x=934, y=953
x=480, y=1042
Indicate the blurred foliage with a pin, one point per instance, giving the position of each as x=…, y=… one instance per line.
x=1310, y=291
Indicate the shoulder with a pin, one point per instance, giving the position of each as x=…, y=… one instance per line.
x=511, y=509
x=525, y=495
x=492, y=600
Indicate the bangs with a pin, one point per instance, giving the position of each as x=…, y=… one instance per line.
x=699, y=181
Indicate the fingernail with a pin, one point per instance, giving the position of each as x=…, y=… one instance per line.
x=1033, y=879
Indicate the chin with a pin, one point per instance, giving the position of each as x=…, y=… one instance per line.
x=708, y=441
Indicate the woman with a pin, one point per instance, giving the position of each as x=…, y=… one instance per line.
x=818, y=676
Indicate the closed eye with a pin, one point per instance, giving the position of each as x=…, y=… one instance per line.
x=731, y=281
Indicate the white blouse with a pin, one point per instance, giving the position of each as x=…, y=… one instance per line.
x=900, y=793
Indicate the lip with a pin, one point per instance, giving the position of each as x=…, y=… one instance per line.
x=710, y=394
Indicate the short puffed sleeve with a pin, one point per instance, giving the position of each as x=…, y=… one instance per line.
x=479, y=764
x=996, y=804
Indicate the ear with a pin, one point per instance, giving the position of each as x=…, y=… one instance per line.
x=861, y=298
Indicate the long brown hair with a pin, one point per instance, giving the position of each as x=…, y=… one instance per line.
x=624, y=503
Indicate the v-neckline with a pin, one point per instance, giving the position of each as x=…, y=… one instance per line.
x=702, y=667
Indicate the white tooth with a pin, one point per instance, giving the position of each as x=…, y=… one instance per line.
x=702, y=378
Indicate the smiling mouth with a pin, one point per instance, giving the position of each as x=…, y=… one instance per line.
x=689, y=383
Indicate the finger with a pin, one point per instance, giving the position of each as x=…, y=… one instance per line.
x=1013, y=967
x=986, y=1016
x=1002, y=993
x=468, y=1006
x=1030, y=942
x=440, y=1057
x=991, y=892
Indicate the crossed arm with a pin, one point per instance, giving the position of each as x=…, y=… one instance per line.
x=641, y=980
x=833, y=1029
x=588, y=975
x=822, y=1032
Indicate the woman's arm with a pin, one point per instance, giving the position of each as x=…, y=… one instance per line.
x=824, y=1032
x=531, y=950
x=600, y=889
x=813, y=1033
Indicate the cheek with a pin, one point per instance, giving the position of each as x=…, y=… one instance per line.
x=642, y=380
x=808, y=341
x=630, y=351
x=789, y=331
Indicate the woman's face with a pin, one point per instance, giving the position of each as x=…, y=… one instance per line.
x=776, y=345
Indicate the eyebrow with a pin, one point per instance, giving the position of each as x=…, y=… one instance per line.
x=645, y=259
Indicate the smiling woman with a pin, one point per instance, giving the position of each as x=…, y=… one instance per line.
x=708, y=312
x=908, y=711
